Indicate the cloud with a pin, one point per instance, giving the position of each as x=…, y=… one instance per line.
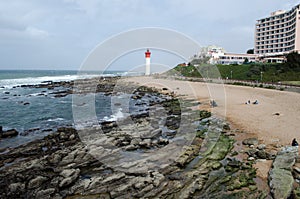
x=36, y=33
x=11, y=24
x=69, y=29
x=88, y=7
x=10, y=29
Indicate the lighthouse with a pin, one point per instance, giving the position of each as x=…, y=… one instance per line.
x=147, y=56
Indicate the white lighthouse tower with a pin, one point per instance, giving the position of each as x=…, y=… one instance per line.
x=147, y=56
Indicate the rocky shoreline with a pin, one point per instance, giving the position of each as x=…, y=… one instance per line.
x=190, y=154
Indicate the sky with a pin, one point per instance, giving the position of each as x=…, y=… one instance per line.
x=60, y=34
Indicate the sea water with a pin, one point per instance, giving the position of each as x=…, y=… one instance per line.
x=34, y=112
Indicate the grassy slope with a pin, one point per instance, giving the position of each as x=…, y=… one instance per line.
x=271, y=72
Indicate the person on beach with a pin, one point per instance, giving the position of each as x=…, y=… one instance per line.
x=248, y=102
x=294, y=142
x=213, y=103
x=256, y=102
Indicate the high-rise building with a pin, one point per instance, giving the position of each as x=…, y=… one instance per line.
x=278, y=34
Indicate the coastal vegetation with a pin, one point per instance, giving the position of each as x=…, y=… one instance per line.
x=262, y=72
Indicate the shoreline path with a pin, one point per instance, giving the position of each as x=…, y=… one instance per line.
x=275, y=120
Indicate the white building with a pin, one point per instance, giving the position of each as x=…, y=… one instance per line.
x=236, y=58
x=218, y=55
x=278, y=33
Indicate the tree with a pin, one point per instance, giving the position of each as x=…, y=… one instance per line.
x=246, y=61
x=293, y=60
x=250, y=51
x=199, y=61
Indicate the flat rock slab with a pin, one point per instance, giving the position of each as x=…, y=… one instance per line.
x=280, y=176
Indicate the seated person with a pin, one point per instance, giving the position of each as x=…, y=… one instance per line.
x=294, y=142
x=213, y=103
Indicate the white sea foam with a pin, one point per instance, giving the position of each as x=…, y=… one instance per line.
x=55, y=120
x=117, y=115
x=9, y=83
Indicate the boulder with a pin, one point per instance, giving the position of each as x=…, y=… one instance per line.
x=284, y=161
x=233, y=163
x=281, y=183
x=70, y=175
x=280, y=176
x=261, y=147
x=262, y=154
x=113, y=178
x=9, y=133
x=67, y=172
x=250, y=141
x=226, y=127
x=36, y=182
x=130, y=148
x=45, y=193
x=297, y=169
x=14, y=187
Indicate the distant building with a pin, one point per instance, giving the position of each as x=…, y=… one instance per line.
x=235, y=58
x=218, y=55
x=278, y=35
x=275, y=36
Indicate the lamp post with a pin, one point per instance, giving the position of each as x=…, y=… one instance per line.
x=230, y=74
x=261, y=76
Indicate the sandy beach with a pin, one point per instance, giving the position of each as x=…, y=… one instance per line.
x=275, y=120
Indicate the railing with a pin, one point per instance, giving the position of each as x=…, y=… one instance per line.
x=232, y=81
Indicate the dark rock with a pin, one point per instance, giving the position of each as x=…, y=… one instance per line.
x=60, y=95
x=36, y=182
x=26, y=103
x=233, y=163
x=130, y=148
x=226, y=127
x=16, y=187
x=66, y=129
x=9, y=133
x=45, y=193
x=263, y=154
x=252, y=152
x=169, y=133
x=297, y=169
x=173, y=122
x=250, y=141
x=47, y=130
x=70, y=175
x=163, y=141
x=27, y=132
x=261, y=146
x=153, y=134
x=6, y=92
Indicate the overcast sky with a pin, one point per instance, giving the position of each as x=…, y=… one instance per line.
x=59, y=34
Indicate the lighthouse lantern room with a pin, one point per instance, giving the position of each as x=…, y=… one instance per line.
x=147, y=56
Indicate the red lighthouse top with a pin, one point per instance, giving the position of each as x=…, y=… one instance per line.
x=147, y=53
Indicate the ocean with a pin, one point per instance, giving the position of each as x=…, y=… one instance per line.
x=35, y=112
